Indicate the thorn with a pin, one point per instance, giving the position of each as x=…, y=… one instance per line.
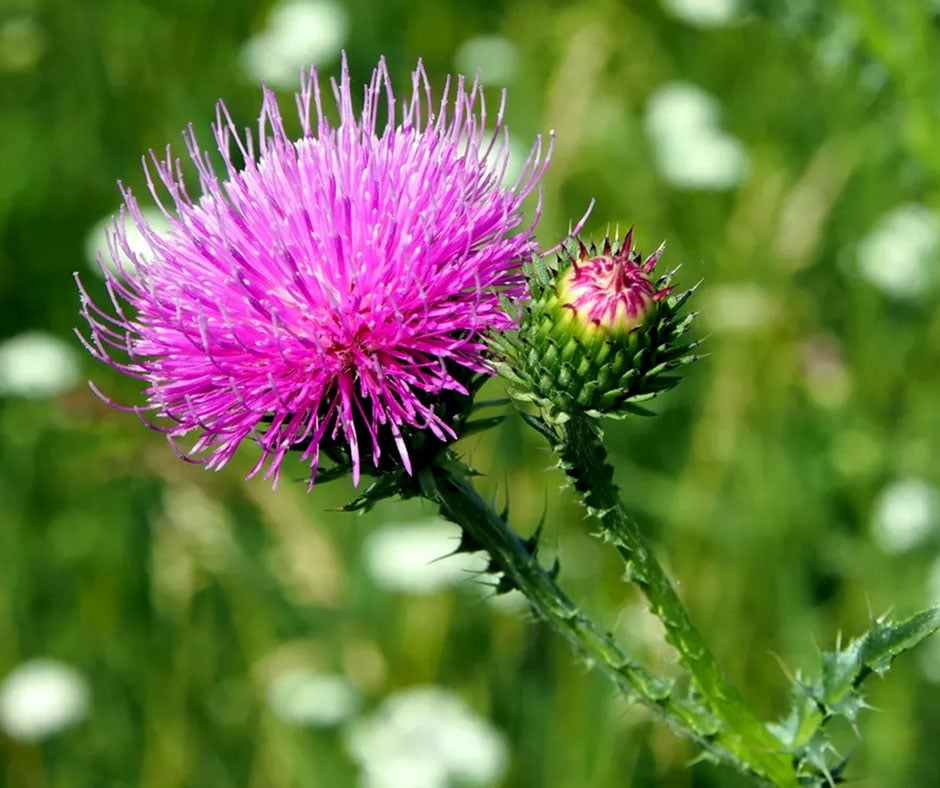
x=582, y=250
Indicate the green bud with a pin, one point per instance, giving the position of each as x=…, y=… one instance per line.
x=600, y=334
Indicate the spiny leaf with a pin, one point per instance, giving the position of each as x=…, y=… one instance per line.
x=836, y=693
x=844, y=670
x=886, y=640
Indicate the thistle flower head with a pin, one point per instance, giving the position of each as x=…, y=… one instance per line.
x=327, y=292
x=600, y=333
x=612, y=291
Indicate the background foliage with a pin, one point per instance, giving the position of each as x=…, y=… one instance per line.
x=789, y=483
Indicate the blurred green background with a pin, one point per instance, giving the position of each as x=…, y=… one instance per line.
x=163, y=626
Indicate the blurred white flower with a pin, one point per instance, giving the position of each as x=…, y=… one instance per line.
x=36, y=364
x=680, y=109
x=906, y=514
x=299, y=33
x=315, y=699
x=691, y=150
x=96, y=240
x=494, y=57
x=703, y=13
x=900, y=255
x=41, y=697
x=424, y=737
x=416, y=557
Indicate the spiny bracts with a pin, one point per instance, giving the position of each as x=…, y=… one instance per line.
x=600, y=334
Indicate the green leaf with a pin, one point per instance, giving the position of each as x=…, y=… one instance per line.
x=836, y=691
x=480, y=425
x=845, y=669
x=886, y=640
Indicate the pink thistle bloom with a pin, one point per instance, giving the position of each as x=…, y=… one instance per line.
x=330, y=289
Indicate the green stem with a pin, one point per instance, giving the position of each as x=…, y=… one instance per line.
x=446, y=485
x=585, y=461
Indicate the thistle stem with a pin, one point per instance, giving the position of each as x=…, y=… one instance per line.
x=585, y=461
x=447, y=485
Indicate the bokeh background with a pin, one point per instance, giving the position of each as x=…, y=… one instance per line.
x=162, y=626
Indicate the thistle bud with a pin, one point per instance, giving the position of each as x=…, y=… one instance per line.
x=601, y=333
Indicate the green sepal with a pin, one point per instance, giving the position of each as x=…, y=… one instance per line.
x=386, y=486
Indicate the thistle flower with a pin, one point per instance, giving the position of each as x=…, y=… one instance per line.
x=599, y=335
x=332, y=290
